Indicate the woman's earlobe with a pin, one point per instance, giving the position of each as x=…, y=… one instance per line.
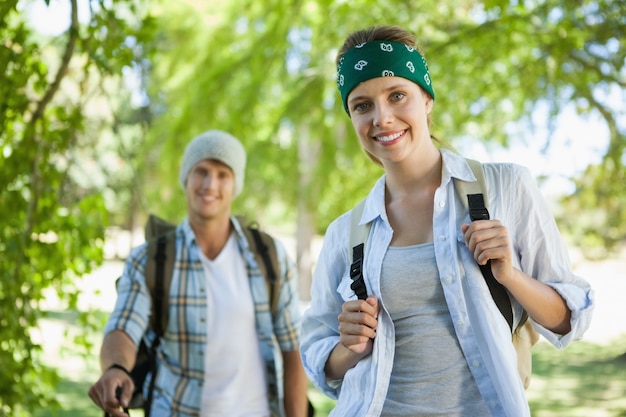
x=429, y=105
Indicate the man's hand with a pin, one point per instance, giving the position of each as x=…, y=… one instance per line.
x=112, y=391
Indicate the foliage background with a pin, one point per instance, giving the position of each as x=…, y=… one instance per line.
x=93, y=119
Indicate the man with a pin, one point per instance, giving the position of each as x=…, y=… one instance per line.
x=219, y=355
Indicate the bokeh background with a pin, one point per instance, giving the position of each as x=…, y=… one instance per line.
x=99, y=97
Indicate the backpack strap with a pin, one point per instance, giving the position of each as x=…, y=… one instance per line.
x=476, y=189
x=264, y=250
x=158, y=274
x=358, y=238
x=472, y=195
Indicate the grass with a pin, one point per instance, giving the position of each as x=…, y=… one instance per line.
x=584, y=380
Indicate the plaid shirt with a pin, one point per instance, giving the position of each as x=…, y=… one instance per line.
x=181, y=352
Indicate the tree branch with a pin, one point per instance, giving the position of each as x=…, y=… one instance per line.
x=30, y=132
x=65, y=63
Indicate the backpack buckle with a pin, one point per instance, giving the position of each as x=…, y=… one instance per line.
x=356, y=273
x=477, y=209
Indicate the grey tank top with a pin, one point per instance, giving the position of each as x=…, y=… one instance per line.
x=430, y=375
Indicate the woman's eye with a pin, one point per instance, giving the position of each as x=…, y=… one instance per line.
x=360, y=107
x=397, y=96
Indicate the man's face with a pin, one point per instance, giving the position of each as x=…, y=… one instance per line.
x=210, y=190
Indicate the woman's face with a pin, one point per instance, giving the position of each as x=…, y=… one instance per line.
x=390, y=117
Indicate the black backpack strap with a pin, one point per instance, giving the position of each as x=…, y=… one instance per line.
x=472, y=195
x=356, y=272
x=359, y=234
x=264, y=250
x=159, y=270
x=159, y=288
x=161, y=255
x=478, y=211
x=158, y=297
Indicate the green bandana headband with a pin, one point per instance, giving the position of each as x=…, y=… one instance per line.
x=381, y=59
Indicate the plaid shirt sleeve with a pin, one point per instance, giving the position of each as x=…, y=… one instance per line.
x=287, y=320
x=132, y=308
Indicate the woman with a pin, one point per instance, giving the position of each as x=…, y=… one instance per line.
x=429, y=339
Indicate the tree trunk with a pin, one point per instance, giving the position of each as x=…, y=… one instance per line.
x=308, y=155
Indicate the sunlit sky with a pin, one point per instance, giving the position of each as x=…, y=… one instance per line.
x=54, y=19
x=575, y=141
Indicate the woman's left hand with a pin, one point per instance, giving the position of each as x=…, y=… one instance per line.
x=488, y=240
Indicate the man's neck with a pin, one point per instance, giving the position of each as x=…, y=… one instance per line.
x=212, y=235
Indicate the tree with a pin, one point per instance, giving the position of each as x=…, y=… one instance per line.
x=76, y=146
x=53, y=115
x=268, y=77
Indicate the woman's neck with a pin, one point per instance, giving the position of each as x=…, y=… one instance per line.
x=414, y=175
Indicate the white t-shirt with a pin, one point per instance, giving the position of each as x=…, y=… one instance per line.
x=234, y=379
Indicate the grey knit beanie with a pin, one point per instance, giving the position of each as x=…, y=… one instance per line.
x=218, y=145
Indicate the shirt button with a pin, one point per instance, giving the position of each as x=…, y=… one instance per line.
x=461, y=323
x=448, y=279
x=442, y=204
x=492, y=404
x=475, y=364
x=442, y=238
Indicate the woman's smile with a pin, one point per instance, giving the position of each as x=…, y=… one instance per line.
x=389, y=137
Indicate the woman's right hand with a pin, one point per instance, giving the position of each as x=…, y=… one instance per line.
x=357, y=325
x=357, y=329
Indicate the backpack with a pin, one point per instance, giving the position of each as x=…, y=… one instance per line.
x=524, y=336
x=161, y=255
